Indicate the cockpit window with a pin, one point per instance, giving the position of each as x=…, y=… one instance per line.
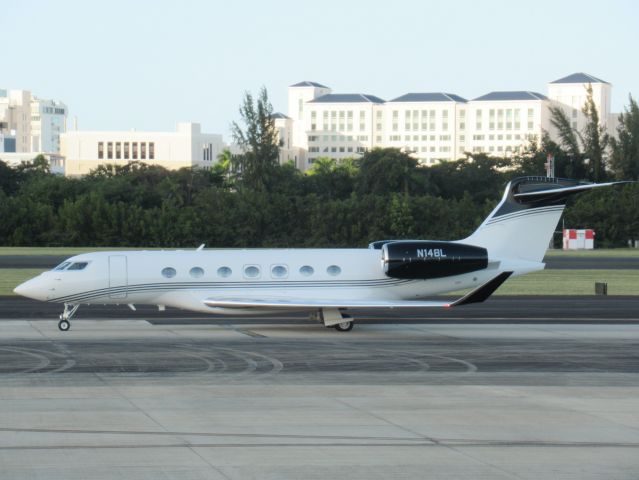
x=62, y=266
x=78, y=266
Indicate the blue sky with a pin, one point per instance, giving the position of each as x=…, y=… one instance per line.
x=148, y=64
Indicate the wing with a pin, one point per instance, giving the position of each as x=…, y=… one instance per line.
x=477, y=295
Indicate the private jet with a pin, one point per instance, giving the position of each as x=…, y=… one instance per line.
x=326, y=283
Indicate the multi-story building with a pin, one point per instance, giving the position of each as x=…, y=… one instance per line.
x=570, y=93
x=502, y=122
x=431, y=126
x=34, y=123
x=48, y=121
x=186, y=147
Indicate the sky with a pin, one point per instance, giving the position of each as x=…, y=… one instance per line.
x=142, y=64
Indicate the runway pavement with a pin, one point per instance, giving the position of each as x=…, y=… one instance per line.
x=514, y=388
x=136, y=400
x=578, y=263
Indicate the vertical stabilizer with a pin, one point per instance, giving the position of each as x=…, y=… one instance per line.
x=523, y=223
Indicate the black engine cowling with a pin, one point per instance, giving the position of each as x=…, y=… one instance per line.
x=430, y=259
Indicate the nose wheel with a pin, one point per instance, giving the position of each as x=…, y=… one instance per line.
x=69, y=310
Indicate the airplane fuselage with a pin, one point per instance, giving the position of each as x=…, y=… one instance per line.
x=183, y=278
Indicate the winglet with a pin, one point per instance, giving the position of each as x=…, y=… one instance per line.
x=482, y=292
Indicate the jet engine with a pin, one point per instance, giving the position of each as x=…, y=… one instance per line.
x=425, y=259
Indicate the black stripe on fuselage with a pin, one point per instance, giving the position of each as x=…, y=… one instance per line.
x=160, y=287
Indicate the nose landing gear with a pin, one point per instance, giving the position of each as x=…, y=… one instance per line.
x=69, y=310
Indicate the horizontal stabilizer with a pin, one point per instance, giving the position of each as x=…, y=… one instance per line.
x=560, y=193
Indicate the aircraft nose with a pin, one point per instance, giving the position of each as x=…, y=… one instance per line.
x=30, y=289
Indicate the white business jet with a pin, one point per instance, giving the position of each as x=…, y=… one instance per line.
x=324, y=282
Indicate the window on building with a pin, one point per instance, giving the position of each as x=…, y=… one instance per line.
x=152, y=151
x=118, y=151
x=134, y=153
x=126, y=150
x=100, y=150
x=143, y=150
x=109, y=150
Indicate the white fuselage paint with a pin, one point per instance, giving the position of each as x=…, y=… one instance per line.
x=135, y=277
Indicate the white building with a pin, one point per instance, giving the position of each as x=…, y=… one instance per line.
x=186, y=147
x=571, y=92
x=48, y=121
x=432, y=126
x=36, y=124
x=501, y=123
x=13, y=159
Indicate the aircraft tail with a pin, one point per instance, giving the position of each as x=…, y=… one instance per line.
x=522, y=224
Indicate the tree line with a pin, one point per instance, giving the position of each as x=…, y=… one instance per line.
x=249, y=200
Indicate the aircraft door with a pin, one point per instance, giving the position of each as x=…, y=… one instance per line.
x=117, y=275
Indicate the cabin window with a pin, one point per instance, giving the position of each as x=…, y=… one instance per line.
x=169, y=272
x=251, y=271
x=279, y=271
x=62, y=266
x=333, y=270
x=224, y=272
x=196, y=272
x=78, y=266
x=307, y=270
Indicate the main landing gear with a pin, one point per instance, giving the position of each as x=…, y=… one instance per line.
x=69, y=310
x=334, y=318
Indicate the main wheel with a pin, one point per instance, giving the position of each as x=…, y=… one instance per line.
x=64, y=325
x=346, y=326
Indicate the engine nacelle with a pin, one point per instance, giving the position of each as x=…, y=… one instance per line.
x=426, y=259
